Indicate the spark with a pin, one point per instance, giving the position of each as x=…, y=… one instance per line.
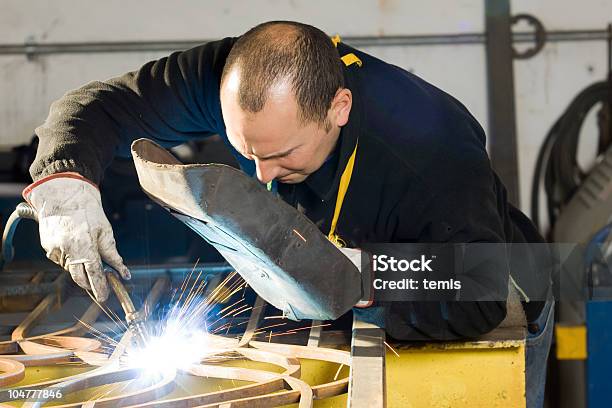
x=185, y=281
x=270, y=326
x=107, y=311
x=338, y=372
x=184, y=336
x=242, y=311
x=177, y=348
x=98, y=334
x=391, y=348
x=233, y=304
x=299, y=235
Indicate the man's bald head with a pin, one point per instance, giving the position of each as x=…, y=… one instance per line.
x=284, y=52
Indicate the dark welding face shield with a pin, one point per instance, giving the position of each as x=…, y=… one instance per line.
x=279, y=252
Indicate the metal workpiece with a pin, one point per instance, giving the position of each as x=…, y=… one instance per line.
x=502, y=111
x=279, y=252
x=15, y=281
x=450, y=373
x=367, y=385
x=11, y=288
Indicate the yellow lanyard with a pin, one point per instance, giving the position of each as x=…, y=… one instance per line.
x=345, y=179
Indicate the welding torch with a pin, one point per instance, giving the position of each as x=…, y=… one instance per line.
x=134, y=319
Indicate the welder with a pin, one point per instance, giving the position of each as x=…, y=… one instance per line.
x=299, y=110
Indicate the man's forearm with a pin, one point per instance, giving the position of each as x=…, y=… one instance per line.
x=78, y=136
x=170, y=100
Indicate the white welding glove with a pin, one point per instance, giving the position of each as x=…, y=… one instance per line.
x=74, y=230
x=354, y=255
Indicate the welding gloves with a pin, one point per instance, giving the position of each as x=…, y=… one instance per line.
x=74, y=230
x=355, y=256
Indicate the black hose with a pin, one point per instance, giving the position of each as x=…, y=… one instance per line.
x=557, y=163
x=23, y=210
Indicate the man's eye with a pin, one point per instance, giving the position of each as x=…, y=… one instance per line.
x=289, y=153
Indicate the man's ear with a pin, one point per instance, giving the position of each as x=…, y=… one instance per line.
x=341, y=106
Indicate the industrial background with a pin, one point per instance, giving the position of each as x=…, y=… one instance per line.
x=517, y=77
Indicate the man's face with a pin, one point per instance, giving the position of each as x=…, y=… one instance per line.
x=282, y=146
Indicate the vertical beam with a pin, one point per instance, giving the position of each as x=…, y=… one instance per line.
x=315, y=333
x=367, y=384
x=256, y=313
x=502, y=114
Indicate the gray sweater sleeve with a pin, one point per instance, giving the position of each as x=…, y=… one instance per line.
x=171, y=100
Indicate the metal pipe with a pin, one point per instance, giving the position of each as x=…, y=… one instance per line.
x=502, y=110
x=23, y=210
x=9, y=288
x=33, y=48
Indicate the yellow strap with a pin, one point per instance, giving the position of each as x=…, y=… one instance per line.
x=351, y=58
x=345, y=179
x=348, y=59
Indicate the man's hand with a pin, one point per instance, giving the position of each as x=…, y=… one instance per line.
x=74, y=230
x=354, y=255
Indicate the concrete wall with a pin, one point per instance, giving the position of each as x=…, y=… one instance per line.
x=544, y=84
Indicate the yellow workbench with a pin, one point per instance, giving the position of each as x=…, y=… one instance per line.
x=489, y=372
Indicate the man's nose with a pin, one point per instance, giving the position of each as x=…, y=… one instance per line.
x=266, y=172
